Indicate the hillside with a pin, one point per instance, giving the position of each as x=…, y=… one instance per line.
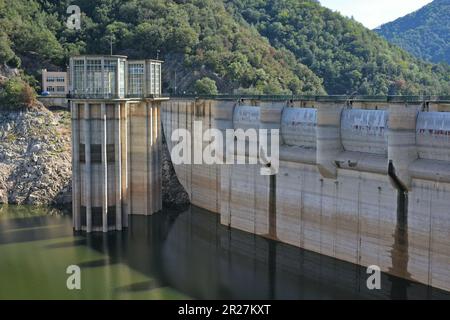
x=196, y=38
x=424, y=33
x=240, y=46
x=347, y=56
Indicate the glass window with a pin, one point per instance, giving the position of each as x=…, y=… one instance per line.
x=157, y=78
x=122, y=78
x=136, y=79
x=94, y=77
x=110, y=72
x=78, y=76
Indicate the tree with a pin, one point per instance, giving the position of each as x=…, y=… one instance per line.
x=16, y=93
x=206, y=86
x=6, y=54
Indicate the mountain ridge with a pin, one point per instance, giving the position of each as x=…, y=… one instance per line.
x=424, y=33
x=244, y=46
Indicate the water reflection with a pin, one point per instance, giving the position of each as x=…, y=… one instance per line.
x=175, y=255
x=193, y=253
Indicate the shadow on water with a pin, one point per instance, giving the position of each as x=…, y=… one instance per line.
x=28, y=223
x=193, y=253
x=139, y=287
x=74, y=243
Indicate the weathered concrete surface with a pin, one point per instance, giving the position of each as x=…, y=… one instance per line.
x=54, y=101
x=202, y=183
x=116, y=162
x=334, y=193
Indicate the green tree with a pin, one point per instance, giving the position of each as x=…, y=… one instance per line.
x=6, y=53
x=343, y=53
x=206, y=86
x=16, y=93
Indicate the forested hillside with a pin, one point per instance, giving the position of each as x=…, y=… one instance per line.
x=348, y=57
x=425, y=33
x=196, y=38
x=247, y=46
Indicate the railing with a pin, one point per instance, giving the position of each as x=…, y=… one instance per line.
x=332, y=98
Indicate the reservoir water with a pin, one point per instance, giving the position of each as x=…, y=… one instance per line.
x=173, y=255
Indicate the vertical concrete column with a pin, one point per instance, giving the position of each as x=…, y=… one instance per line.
x=76, y=197
x=154, y=156
x=87, y=167
x=402, y=149
x=104, y=168
x=158, y=157
x=128, y=169
x=143, y=112
x=270, y=119
x=149, y=160
x=222, y=117
x=124, y=162
x=329, y=143
x=118, y=164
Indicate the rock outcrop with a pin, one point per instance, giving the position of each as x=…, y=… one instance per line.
x=173, y=193
x=35, y=157
x=35, y=161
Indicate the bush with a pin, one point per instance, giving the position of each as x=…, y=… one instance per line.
x=206, y=86
x=6, y=53
x=16, y=93
x=14, y=62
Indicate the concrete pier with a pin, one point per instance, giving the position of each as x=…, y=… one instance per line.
x=117, y=162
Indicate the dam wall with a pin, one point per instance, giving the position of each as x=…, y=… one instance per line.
x=366, y=182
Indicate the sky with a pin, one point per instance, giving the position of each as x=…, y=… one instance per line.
x=373, y=13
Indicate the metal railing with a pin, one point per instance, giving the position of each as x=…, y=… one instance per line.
x=320, y=98
x=237, y=97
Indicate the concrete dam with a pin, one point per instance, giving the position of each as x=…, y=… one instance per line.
x=366, y=182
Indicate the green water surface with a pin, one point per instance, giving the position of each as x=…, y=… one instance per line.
x=173, y=255
x=36, y=247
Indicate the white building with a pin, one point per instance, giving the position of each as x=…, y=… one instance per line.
x=106, y=77
x=55, y=83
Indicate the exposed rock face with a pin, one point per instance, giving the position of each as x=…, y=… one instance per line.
x=7, y=72
x=35, y=157
x=173, y=193
x=35, y=161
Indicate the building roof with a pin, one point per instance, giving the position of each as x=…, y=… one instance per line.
x=114, y=56
x=99, y=56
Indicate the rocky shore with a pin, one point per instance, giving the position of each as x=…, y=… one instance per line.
x=35, y=157
x=35, y=161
